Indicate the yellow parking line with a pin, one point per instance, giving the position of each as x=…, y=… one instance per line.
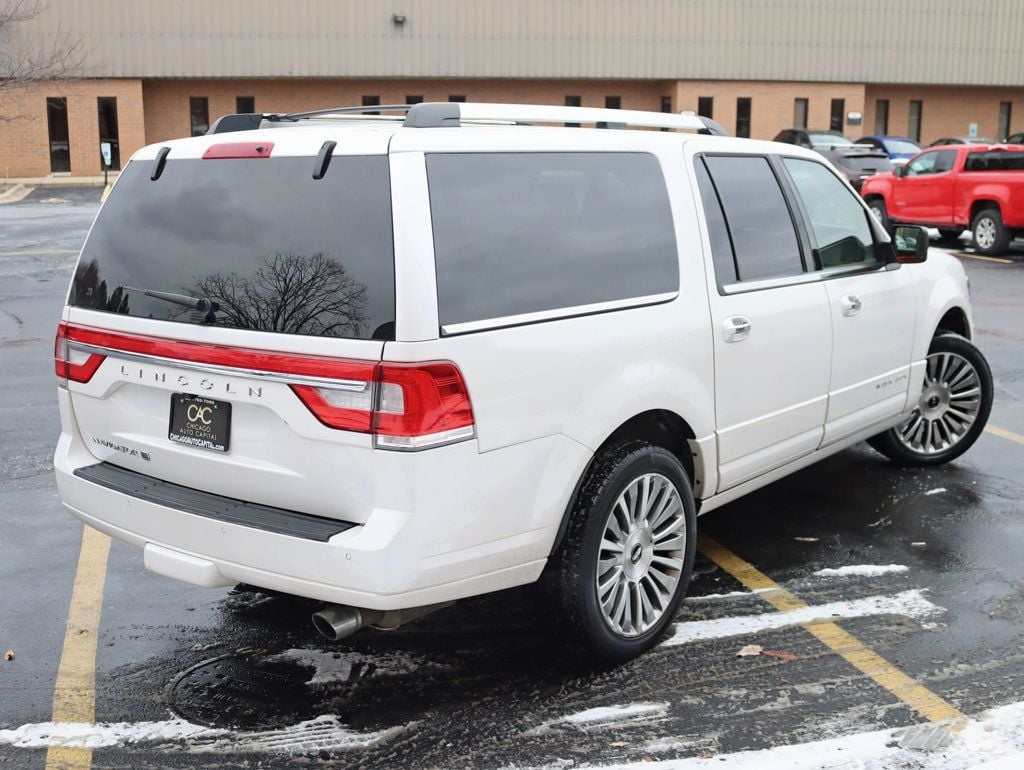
x=995, y=430
x=855, y=652
x=74, y=696
x=985, y=259
x=106, y=192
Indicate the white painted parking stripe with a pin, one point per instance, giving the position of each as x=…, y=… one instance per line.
x=993, y=740
x=325, y=733
x=907, y=603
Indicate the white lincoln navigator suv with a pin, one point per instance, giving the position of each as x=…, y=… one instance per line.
x=388, y=363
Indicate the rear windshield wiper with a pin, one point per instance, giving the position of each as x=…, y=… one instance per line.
x=202, y=304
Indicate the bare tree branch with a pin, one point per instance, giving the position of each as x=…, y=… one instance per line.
x=59, y=57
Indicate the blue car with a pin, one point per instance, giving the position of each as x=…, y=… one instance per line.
x=900, y=149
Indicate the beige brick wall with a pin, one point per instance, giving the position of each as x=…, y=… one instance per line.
x=946, y=111
x=772, y=104
x=156, y=110
x=167, y=101
x=24, y=136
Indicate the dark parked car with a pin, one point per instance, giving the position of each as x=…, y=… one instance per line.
x=857, y=163
x=948, y=140
x=813, y=140
x=1015, y=139
x=900, y=149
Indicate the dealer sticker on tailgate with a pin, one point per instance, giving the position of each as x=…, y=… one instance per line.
x=200, y=422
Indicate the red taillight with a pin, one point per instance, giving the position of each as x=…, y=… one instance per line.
x=70, y=364
x=405, y=406
x=422, y=405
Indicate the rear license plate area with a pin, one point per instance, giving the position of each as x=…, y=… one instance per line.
x=200, y=422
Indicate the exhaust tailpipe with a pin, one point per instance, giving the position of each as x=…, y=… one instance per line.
x=338, y=621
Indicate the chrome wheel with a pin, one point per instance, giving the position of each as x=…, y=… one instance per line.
x=947, y=408
x=878, y=212
x=641, y=555
x=985, y=233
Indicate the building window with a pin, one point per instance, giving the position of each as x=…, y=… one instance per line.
x=414, y=99
x=706, y=106
x=613, y=102
x=838, y=112
x=573, y=101
x=666, y=104
x=199, y=114
x=914, y=119
x=57, y=123
x=743, y=116
x=881, y=116
x=457, y=98
x=107, y=110
x=800, y=113
x=245, y=104
x=371, y=101
x=1005, y=112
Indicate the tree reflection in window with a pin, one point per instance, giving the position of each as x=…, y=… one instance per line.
x=290, y=293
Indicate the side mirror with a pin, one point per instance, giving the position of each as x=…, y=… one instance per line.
x=899, y=170
x=910, y=244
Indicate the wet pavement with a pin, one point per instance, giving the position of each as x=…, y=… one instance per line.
x=191, y=677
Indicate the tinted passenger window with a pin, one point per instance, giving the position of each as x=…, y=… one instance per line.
x=519, y=233
x=759, y=221
x=718, y=231
x=936, y=162
x=839, y=223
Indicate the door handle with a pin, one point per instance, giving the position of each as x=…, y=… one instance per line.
x=850, y=305
x=736, y=328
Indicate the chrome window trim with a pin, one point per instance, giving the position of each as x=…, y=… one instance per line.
x=812, y=276
x=355, y=386
x=521, y=319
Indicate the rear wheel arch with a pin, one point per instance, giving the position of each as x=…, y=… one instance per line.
x=981, y=205
x=658, y=427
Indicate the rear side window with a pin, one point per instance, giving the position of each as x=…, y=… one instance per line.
x=274, y=249
x=760, y=225
x=995, y=161
x=518, y=233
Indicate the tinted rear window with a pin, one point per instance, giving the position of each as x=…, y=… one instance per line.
x=875, y=163
x=275, y=249
x=995, y=161
x=518, y=233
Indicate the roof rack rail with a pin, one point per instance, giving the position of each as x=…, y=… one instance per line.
x=451, y=114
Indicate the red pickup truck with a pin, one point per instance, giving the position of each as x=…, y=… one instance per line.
x=978, y=186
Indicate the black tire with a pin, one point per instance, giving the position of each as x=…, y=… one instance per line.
x=877, y=206
x=899, y=451
x=994, y=237
x=569, y=584
x=949, y=237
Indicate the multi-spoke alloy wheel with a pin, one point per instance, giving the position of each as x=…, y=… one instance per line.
x=641, y=554
x=947, y=408
x=613, y=588
x=951, y=410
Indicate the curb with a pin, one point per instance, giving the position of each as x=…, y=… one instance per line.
x=15, y=194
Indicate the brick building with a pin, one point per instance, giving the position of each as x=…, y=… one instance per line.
x=157, y=70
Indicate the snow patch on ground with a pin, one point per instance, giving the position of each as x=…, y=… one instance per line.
x=606, y=716
x=993, y=741
x=862, y=570
x=936, y=491
x=911, y=604
x=324, y=733
x=331, y=667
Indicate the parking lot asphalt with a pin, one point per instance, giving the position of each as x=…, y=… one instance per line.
x=913, y=578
